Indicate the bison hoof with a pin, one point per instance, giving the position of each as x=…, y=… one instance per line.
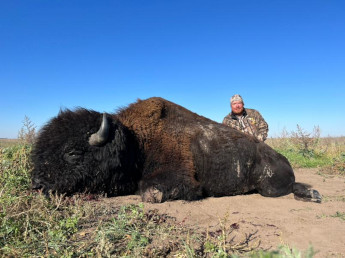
x=152, y=195
x=316, y=196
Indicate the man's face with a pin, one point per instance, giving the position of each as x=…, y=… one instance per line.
x=237, y=107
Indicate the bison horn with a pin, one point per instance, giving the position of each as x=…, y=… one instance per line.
x=101, y=136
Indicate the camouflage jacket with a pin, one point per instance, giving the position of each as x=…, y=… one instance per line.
x=251, y=122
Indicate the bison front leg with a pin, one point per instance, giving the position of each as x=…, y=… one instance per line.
x=167, y=186
x=152, y=194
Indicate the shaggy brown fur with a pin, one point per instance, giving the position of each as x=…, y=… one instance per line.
x=164, y=132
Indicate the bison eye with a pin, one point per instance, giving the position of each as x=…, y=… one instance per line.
x=73, y=156
x=75, y=153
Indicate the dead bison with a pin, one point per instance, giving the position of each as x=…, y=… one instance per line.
x=159, y=149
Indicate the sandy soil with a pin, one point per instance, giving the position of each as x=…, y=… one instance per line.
x=276, y=221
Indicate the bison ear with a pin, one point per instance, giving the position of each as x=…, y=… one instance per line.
x=102, y=134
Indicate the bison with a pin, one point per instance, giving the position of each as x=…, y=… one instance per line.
x=159, y=150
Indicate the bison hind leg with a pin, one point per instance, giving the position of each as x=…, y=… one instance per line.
x=302, y=192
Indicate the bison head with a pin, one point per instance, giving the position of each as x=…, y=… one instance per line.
x=83, y=151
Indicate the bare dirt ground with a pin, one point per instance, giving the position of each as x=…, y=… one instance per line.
x=275, y=221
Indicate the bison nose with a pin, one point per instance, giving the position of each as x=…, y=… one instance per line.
x=36, y=185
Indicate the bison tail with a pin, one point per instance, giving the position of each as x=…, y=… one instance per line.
x=304, y=193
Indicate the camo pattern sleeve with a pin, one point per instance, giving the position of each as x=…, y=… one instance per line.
x=258, y=124
x=233, y=123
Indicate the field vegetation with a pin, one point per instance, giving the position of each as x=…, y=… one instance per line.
x=308, y=150
x=81, y=226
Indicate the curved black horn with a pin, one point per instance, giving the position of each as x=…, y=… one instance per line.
x=101, y=136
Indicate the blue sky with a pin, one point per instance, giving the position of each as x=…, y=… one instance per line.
x=286, y=58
